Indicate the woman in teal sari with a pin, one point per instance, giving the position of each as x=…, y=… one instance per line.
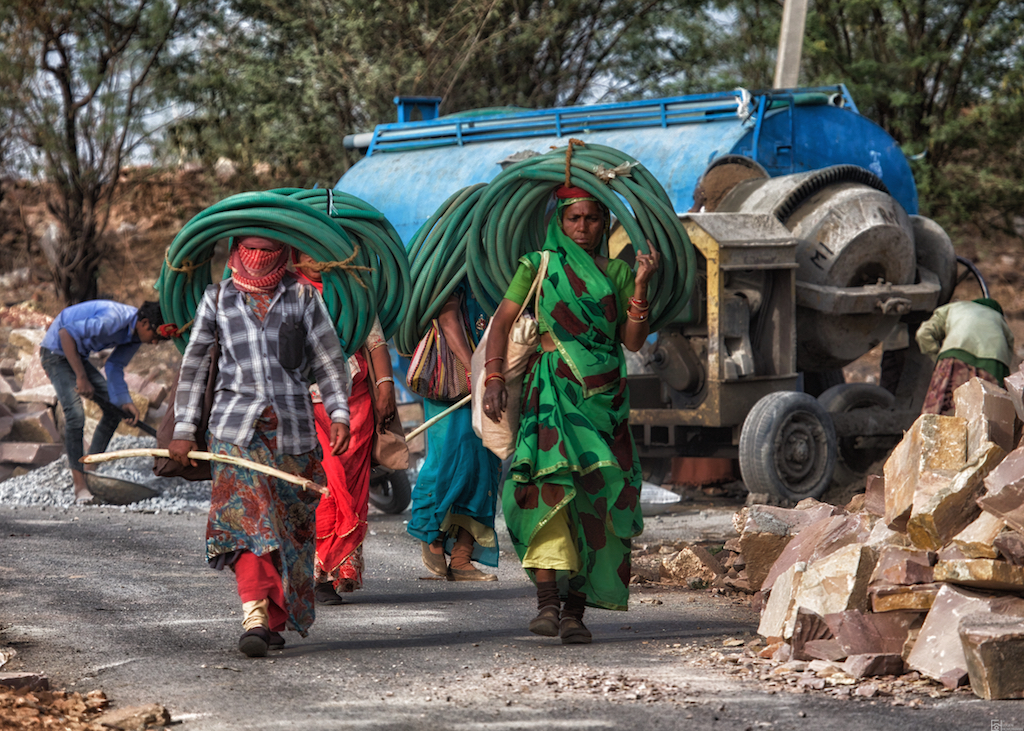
x=456, y=491
x=572, y=503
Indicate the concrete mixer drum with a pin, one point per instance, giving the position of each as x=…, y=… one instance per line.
x=851, y=234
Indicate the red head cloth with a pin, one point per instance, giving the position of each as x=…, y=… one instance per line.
x=564, y=192
x=302, y=276
x=257, y=264
x=168, y=330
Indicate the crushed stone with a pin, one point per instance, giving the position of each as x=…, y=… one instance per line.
x=50, y=485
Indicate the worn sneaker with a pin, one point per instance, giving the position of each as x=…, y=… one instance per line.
x=546, y=622
x=574, y=632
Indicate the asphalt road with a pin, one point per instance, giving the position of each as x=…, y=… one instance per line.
x=96, y=598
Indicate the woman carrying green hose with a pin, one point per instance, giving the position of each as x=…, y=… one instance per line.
x=456, y=491
x=572, y=503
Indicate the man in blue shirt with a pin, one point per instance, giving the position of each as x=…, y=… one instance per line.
x=79, y=331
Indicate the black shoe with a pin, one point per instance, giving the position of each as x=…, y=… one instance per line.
x=255, y=642
x=276, y=641
x=325, y=594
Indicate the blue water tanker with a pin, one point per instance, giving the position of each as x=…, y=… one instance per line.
x=810, y=252
x=411, y=167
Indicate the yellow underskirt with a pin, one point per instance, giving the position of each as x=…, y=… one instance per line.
x=483, y=535
x=553, y=547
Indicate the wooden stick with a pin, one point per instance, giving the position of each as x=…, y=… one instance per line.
x=429, y=423
x=209, y=457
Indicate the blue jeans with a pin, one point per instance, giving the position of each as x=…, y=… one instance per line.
x=64, y=380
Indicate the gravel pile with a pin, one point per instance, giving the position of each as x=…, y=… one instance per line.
x=50, y=485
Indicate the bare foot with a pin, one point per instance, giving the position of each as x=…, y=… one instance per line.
x=82, y=493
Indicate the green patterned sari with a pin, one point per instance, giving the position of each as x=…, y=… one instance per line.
x=574, y=451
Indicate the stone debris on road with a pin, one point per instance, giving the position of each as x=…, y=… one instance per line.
x=50, y=485
x=908, y=580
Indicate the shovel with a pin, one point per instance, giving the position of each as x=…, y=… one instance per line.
x=107, y=406
x=112, y=491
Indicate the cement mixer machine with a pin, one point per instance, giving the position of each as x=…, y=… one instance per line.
x=803, y=214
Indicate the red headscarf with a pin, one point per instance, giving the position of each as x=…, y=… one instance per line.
x=301, y=275
x=257, y=264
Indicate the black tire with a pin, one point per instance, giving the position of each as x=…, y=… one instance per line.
x=656, y=470
x=817, y=382
x=788, y=447
x=848, y=397
x=391, y=493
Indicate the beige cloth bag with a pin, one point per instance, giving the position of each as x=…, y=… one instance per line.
x=523, y=339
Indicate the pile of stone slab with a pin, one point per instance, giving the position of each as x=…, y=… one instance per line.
x=30, y=415
x=922, y=572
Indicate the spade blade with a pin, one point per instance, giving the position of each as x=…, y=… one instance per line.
x=113, y=491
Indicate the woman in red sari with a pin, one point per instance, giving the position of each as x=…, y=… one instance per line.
x=341, y=516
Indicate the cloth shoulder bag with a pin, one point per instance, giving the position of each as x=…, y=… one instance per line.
x=389, y=447
x=434, y=370
x=523, y=339
x=167, y=467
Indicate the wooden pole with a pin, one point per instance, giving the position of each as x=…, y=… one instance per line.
x=208, y=457
x=791, y=42
x=429, y=423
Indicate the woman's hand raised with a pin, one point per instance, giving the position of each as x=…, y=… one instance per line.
x=646, y=266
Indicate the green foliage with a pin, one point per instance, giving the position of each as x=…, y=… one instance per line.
x=74, y=74
x=943, y=77
x=305, y=73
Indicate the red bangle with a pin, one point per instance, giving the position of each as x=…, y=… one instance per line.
x=492, y=376
x=491, y=360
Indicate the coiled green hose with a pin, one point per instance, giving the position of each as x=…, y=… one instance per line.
x=481, y=232
x=370, y=229
x=186, y=272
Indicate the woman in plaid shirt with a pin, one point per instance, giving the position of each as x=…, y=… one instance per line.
x=271, y=331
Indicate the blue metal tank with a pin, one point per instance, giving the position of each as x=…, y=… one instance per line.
x=411, y=167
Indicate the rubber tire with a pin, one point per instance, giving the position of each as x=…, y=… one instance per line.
x=391, y=493
x=794, y=419
x=848, y=397
x=817, y=382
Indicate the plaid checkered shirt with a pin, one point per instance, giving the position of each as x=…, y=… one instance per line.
x=251, y=376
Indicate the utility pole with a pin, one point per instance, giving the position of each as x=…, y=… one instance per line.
x=791, y=40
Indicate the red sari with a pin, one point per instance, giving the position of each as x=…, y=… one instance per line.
x=341, y=515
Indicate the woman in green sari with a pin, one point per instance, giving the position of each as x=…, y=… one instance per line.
x=572, y=503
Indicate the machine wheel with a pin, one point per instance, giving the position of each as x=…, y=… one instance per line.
x=788, y=447
x=392, y=492
x=817, y=382
x=854, y=462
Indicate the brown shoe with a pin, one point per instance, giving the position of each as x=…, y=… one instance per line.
x=546, y=622
x=434, y=562
x=574, y=632
x=470, y=574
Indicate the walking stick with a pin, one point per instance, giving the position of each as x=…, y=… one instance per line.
x=209, y=457
x=433, y=420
